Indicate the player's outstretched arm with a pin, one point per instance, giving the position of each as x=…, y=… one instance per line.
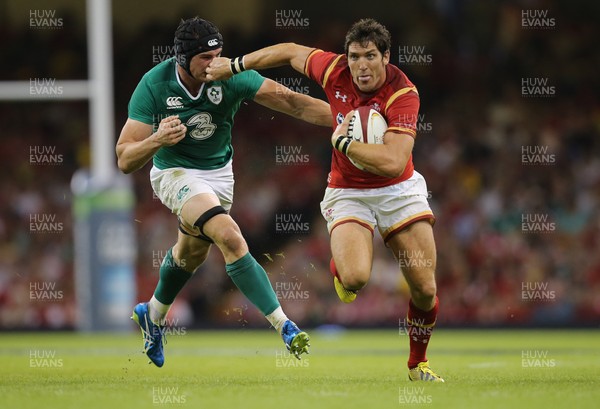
x=269, y=57
x=137, y=144
x=280, y=98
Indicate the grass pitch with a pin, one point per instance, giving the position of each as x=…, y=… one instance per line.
x=351, y=369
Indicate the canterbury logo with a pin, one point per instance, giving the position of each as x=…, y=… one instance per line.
x=174, y=102
x=212, y=43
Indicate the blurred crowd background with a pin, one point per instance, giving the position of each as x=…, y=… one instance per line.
x=476, y=124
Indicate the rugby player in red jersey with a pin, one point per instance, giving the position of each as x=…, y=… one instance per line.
x=389, y=194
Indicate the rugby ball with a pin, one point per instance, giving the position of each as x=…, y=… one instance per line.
x=366, y=126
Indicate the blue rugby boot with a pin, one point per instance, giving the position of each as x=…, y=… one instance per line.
x=152, y=334
x=296, y=340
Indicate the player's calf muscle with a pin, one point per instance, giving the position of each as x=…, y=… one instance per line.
x=188, y=258
x=354, y=267
x=354, y=281
x=423, y=294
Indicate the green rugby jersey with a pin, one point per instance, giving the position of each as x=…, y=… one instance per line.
x=208, y=116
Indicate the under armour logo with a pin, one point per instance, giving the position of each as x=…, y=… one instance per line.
x=340, y=96
x=213, y=42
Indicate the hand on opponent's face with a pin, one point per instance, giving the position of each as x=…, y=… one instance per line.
x=219, y=69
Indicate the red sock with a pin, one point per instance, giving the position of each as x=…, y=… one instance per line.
x=420, y=325
x=333, y=270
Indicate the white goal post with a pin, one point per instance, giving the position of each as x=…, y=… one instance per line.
x=103, y=234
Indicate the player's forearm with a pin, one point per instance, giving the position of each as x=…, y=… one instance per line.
x=278, y=55
x=269, y=57
x=279, y=98
x=378, y=159
x=223, y=68
x=312, y=110
x=133, y=156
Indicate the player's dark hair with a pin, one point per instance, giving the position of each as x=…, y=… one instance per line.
x=194, y=36
x=366, y=30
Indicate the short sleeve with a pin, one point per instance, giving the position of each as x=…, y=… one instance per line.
x=247, y=84
x=318, y=64
x=402, y=113
x=141, y=104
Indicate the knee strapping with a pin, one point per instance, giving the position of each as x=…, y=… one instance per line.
x=206, y=216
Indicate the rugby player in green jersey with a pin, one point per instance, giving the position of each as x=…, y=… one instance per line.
x=183, y=122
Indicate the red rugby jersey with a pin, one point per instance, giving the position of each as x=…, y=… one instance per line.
x=397, y=100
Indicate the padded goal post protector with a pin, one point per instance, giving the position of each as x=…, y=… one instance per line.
x=105, y=248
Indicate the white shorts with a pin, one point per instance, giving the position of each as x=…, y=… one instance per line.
x=390, y=208
x=175, y=186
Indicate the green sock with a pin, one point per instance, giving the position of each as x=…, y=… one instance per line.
x=172, y=279
x=253, y=282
